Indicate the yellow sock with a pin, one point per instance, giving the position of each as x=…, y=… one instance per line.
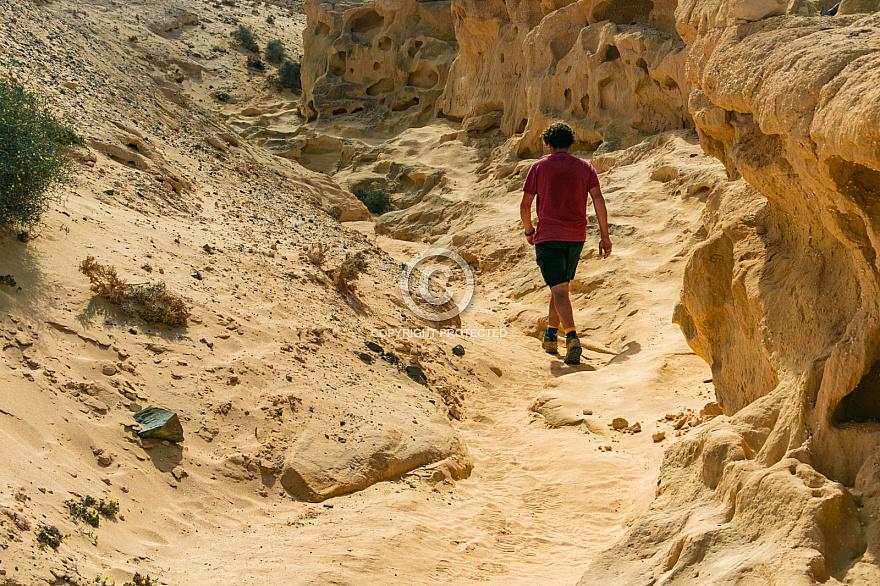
x=569, y=332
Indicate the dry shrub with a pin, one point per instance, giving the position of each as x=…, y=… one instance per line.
x=315, y=254
x=347, y=273
x=150, y=302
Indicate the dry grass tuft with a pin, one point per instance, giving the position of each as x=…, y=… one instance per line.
x=151, y=302
x=347, y=273
x=315, y=254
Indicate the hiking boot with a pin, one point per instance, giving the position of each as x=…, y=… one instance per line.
x=549, y=345
x=573, y=351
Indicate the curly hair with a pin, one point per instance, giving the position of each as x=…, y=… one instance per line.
x=559, y=135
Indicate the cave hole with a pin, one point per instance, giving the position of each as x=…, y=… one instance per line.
x=337, y=63
x=612, y=53
x=414, y=48
x=642, y=64
x=585, y=104
x=339, y=111
x=383, y=86
x=322, y=29
x=385, y=43
x=401, y=105
x=567, y=98
x=863, y=403
x=376, y=66
x=521, y=127
x=366, y=23
x=133, y=146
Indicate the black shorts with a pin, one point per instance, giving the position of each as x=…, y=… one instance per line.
x=558, y=260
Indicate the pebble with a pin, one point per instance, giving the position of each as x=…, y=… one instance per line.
x=458, y=350
x=659, y=436
x=619, y=423
x=109, y=369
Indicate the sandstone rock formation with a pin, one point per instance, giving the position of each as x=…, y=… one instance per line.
x=782, y=301
x=616, y=70
x=388, y=56
x=613, y=70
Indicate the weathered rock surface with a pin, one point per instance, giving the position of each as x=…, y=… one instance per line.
x=782, y=300
x=391, y=56
x=318, y=467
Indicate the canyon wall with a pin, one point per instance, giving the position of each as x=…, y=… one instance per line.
x=390, y=57
x=613, y=70
x=782, y=301
x=782, y=297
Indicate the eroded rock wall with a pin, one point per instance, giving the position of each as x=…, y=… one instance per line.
x=389, y=56
x=782, y=300
x=614, y=70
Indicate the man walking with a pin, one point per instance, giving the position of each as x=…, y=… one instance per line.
x=562, y=184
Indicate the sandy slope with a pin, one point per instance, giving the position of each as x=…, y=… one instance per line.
x=540, y=501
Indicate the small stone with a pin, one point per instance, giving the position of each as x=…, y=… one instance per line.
x=588, y=412
x=71, y=85
x=496, y=370
x=366, y=358
x=196, y=275
x=160, y=424
x=659, y=436
x=458, y=350
x=22, y=339
x=416, y=373
x=105, y=459
x=635, y=428
x=711, y=409
x=619, y=423
x=374, y=347
x=109, y=369
x=179, y=473
x=680, y=423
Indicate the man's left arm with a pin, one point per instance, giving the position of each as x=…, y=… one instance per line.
x=602, y=217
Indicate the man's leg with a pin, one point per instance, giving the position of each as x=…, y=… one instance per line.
x=553, y=317
x=562, y=304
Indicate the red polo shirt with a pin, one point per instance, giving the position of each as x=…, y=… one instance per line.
x=562, y=183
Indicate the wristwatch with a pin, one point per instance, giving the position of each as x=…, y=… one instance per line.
x=529, y=233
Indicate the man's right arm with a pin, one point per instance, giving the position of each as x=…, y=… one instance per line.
x=602, y=217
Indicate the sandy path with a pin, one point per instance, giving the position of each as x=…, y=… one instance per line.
x=539, y=503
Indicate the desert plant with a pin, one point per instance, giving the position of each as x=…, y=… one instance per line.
x=50, y=535
x=315, y=254
x=347, y=273
x=245, y=37
x=256, y=63
x=32, y=163
x=275, y=52
x=288, y=77
x=376, y=200
x=270, y=19
x=89, y=509
x=151, y=302
x=138, y=580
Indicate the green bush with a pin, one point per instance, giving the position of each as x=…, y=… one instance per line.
x=288, y=77
x=50, y=535
x=275, y=52
x=245, y=37
x=376, y=200
x=32, y=164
